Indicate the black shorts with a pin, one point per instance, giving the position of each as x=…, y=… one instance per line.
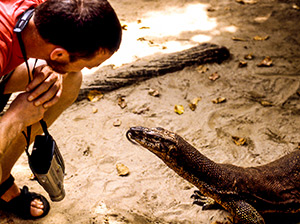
x=4, y=97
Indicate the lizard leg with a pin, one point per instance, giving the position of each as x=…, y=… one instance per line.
x=207, y=202
x=243, y=212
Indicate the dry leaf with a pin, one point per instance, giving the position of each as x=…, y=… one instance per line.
x=219, y=100
x=94, y=95
x=242, y=64
x=121, y=102
x=153, y=92
x=141, y=110
x=249, y=57
x=124, y=27
x=122, y=169
x=87, y=151
x=95, y=110
x=144, y=27
x=193, y=104
x=238, y=39
x=210, y=9
x=296, y=7
x=250, y=2
x=261, y=38
x=266, y=103
x=32, y=177
x=267, y=62
x=214, y=76
x=117, y=123
x=139, y=21
x=142, y=39
x=179, y=109
x=202, y=68
x=239, y=141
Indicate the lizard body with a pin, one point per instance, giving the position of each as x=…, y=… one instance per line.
x=245, y=192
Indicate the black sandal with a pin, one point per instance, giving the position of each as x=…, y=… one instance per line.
x=20, y=205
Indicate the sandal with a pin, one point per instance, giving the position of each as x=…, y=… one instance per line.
x=20, y=205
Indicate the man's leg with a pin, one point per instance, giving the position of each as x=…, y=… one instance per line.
x=71, y=86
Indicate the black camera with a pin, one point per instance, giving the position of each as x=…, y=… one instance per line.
x=48, y=166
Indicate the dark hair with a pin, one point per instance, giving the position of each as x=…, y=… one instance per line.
x=81, y=27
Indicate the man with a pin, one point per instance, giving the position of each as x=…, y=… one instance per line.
x=67, y=35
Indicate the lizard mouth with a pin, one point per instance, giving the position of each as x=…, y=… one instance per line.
x=140, y=135
x=153, y=139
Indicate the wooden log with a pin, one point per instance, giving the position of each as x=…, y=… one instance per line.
x=108, y=79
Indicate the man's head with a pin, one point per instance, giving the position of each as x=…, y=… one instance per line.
x=83, y=30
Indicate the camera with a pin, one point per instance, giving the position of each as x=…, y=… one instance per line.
x=47, y=165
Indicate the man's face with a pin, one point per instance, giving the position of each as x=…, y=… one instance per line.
x=79, y=64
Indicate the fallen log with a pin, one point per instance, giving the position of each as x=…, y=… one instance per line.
x=108, y=79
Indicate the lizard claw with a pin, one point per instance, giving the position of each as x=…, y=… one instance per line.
x=207, y=203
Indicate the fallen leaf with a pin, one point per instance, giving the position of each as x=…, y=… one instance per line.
x=238, y=39
x=193, y=104
x=94, y=95
x=266, y=103
x=296, y=7
x=142, y=39
x=261, y=38
x=121, y=102
x=141, y=110
x=144, y=27
x=239, y=141
x=153, y=92
x=32, y=177
x=95, y=110
x=242, y=64
x=210, y=9
x=179, y=109
x=124, y=27
x=122, y=169
x=266, y=62
x=214, y=76
x=196, y=100
x=219, y=100
x=87, y=151
x=250, y=2
x=117, y=123
x=202, y=68
x=249, y=57
x=139, y=21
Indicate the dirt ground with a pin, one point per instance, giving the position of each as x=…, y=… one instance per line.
x=262, y=106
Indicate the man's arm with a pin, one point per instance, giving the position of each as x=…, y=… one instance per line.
x=20, y=114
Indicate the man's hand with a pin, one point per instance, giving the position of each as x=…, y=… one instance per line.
x=46, y=87
x=24, y=112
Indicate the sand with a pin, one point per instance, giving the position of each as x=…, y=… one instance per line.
x=262, y=106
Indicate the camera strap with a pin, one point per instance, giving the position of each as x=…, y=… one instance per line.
x=19, y=27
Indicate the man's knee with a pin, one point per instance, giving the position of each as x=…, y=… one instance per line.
x=71, y=86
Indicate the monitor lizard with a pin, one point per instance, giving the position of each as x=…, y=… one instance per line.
x=246, y=193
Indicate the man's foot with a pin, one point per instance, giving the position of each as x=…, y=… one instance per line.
x=36, y=208
x=25, y=204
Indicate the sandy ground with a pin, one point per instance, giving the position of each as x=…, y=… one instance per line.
x=262, y=106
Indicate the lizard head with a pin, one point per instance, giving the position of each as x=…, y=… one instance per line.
x=158, y=140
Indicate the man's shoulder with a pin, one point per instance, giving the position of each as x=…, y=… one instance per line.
x=10, y=10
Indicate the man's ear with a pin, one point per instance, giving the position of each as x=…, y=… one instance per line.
x=60, y=55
